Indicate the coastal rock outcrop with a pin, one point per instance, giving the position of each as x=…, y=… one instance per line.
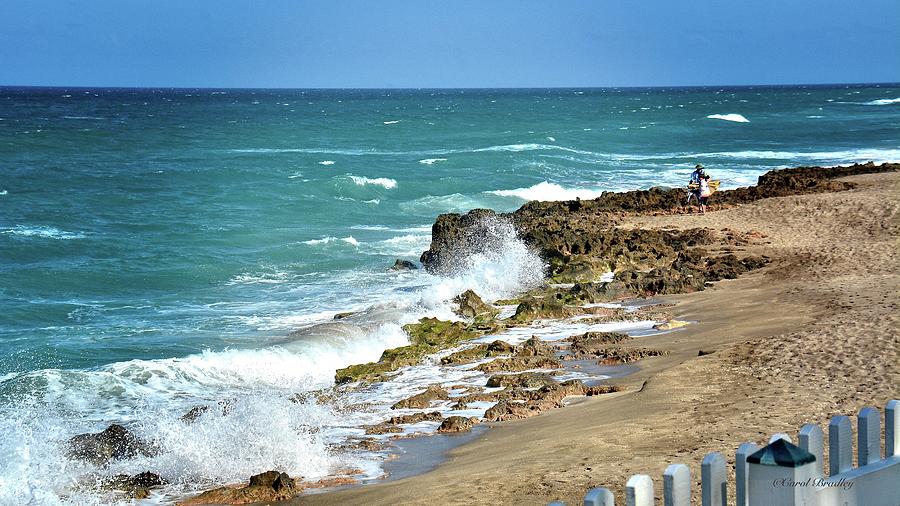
x=403, y=265
x=477, y=352
x=470, y=305
x=591, y=344
x=434, y=416
x=532, y=354
x=135, y=487
x=522, y=380
x=263, y=487
x=457, y=424
x=527, y=403
x=114, y=443
x=580, y=240
x=626, y=355
x=430, y=335
x=423, y=399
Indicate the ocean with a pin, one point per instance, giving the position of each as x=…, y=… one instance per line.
x=162, y=249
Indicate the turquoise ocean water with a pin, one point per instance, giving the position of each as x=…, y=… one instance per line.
x=164, y=248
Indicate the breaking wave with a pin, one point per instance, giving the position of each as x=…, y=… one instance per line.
x=737, y=118
x=384, y=182
x=43, y=232
x=546, y=191
x=883, y=101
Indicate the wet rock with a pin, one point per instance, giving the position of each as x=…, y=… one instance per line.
x=527, y=403
x=424, y=399
x=671, y=324
x=345, y=314
x=534, y=347
x=522, y=380
x=457, y=424
x=494, y=349
x=471, y=306
x=193, y=414
x=403, y=265
x=580, y=240
x=532, y=354
x=196, y=412
x=541, y=308
x=383, y=428
x=429, y=335
x=136, y=487
x=264, y=487
x=114, y=443
x=700, y=353
x=455, y=236
x=590, y=344
x=434, y=416
x=624, y=356
x=363, y=444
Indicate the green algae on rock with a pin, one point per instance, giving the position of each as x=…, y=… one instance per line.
x=429, y=335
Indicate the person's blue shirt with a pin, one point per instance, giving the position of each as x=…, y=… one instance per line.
x=696, y=175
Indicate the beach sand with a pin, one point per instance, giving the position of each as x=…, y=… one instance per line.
x=813, y=334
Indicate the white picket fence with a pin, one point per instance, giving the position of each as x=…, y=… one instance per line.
x=782, y=474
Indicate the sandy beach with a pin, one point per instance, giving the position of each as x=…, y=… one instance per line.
x=811, y=335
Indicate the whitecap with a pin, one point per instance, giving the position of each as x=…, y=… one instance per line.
x=736, y=118
x=3, y=192
x=387, y=183
x=326, y=162
x=551, y=139
x=883, y=101
x=330, y=239
x=43, y=232
x=430, y=161
x=394, y=122
x=546, y=191
x=843, y=156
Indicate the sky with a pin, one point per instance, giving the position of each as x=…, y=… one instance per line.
x=446, y=44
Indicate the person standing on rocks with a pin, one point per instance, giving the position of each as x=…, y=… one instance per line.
x=694, y=184
x=705, y=192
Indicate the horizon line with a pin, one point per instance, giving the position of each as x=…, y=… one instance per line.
x=420, y=88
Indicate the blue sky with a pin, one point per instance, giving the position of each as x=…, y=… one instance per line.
x=421, y=43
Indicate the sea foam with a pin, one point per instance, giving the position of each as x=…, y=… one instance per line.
x=547, y=191
x=42, y=232
x=384, y=182
x=737, y=118
x=883, y=101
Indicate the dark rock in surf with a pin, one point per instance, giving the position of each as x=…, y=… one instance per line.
x=136, y=487
x=403, y=265
x=457, y=424
x=114, y=443
x=264, y=487
x=470, y=305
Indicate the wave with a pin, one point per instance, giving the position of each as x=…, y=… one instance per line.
x=546, y=191
x=883, y=101
x=3, y=192
x=384, y=182
x=43, y=232
x=394, y=122
x=266, y=424
x=737, y=118
x=326, y=162
x=408, y=245
x=849, y=155
x=431, y=161
x=328, y=240
x=263, y=427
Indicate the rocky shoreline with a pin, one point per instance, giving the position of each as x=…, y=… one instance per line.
x=581, y=241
